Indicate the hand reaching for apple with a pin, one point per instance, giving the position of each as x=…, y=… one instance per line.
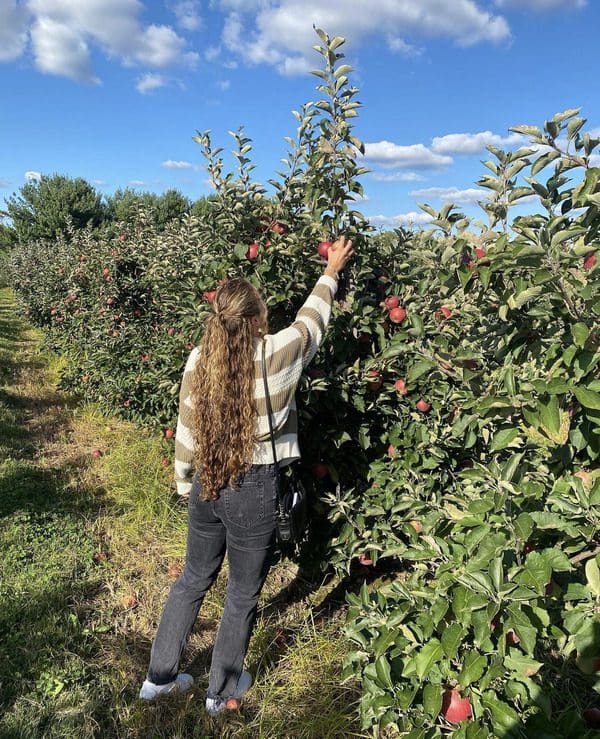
x=339, y=254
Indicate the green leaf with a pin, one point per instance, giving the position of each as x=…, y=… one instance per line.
x=432, y=699
x=452, y=637
x=580, y=333
x=427, y=657
x=543, y=161
x=503, y=438
x=474, y=666
x=592, y=574
x=503, y=716
x=521, y=665
x=384, y=673
x=550, y=414
x=587, y=398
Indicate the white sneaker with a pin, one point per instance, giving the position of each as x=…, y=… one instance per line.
x=182, y=683
x=216, y=705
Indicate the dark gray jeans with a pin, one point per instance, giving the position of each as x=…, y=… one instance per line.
x=241, y=522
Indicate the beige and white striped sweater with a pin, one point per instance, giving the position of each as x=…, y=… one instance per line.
x=287, y=353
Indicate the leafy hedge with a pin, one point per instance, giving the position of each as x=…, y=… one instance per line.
x=452, y=442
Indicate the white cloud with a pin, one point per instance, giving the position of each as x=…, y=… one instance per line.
x=100, y=183
x=541, y=5
x=59, y=49
x=451, y=194
x=416, y=156
x=472, y=143
x=397, y=177
x=64, y=32
x=212, y=53
x=187, y=13
x=137, y=183
x=279, y=34
x=223, y=84
x=413, y=218
x=33, y=176
x=148, y=82
x=4, y=182
x=400, y=46
x=172, y=164
x=13, y=30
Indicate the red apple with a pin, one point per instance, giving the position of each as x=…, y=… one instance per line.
x=392, y=301
x=423, y=406
x=365, y=559
x=470, y=364
x=446, y=312
x=145, y=357
x=169, y=433
x=126, y=403
x=252, y=252
x=400, y=386
x=397, y=315
x=480, y=253
x=165, y=462
x=281, y=637
x=122, y=237
x=455, y=708
x=320, y=470
x=232, y=704
x=591, y=716
x=376, y=382
x=323, y=248
x=278, y=228
x=53, y=311
x=174, y=570
x=96, y=453
x=589, y=261
x=511, y=638
x=209, y=295
x=106, y=271
x=417, y=525
x=391, y=451
x=171, y=331
x=82, y=257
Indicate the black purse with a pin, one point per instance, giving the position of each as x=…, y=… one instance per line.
x=292, y=502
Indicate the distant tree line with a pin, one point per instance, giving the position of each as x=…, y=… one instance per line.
x=43, y=209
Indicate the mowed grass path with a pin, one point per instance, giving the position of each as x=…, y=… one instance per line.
x=88, y=550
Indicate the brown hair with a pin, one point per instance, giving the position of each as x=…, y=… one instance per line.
x=223, y=388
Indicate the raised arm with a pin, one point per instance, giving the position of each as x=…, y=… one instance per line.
x=302, y=338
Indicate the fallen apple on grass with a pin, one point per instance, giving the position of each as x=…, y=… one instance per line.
x=97, y=453
x=174, y=570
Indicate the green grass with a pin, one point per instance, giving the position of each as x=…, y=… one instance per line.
x=85, y=546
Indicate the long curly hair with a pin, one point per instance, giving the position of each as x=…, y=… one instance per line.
x=223, y=382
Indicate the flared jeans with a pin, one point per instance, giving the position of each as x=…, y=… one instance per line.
x=241, y=523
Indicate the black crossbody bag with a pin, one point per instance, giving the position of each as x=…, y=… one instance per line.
x=292, y=504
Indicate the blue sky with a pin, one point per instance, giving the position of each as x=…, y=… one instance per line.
x=113, y=90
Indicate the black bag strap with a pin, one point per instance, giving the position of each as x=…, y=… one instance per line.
x=269, y=410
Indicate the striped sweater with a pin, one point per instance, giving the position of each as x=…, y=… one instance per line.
x=287, y=353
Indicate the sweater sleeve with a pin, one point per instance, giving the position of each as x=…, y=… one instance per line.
x=184, y=442
x=303, y=338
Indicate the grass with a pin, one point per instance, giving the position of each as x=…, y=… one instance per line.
x=86, y=547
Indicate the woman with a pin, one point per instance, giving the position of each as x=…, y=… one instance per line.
x=223, y=435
